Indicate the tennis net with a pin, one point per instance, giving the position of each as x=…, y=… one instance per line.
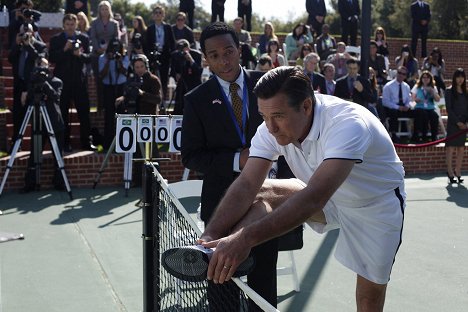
x=174, y=227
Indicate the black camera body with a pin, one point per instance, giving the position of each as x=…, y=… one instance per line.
x=39, y=78
x=136, y=42
x=76, y=44
x=131, y=93
x=34, y=14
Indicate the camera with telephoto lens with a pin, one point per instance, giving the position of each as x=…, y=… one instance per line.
x=136, y=42
x=29, y=13
x=114, y=49
x=39, y=77
x=131, y=93
x=154, y=56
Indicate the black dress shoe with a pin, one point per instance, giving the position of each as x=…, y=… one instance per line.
x=451, y=178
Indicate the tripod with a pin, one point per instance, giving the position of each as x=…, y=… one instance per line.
x=37, y=110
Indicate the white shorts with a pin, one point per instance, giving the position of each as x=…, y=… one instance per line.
x=370, y=235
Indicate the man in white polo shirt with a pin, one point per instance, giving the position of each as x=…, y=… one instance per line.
x=348, y=176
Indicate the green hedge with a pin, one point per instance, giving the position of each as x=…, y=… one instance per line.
x=48, y=5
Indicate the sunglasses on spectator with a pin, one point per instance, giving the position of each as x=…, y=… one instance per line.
x=402, y=73
x=158, y=12
x=181, y=19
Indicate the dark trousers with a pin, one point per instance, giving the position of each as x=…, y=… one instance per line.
x=423, y=118
x=349, y=30
x=111, y=92
x=217, y=11
x=393, y=115
x=246, y=13
x=189, y=13
x=78, y=93
x=19, y=110
x=225, y=297
x=316, y=26
x=415, y=34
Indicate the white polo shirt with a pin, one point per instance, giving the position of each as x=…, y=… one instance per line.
x=342, y=130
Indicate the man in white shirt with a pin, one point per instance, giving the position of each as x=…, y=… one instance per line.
x=348, y=176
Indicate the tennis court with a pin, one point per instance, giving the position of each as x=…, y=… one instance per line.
x=86, y=255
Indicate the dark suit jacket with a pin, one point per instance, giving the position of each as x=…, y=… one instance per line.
x=418, y=14
x=169, y=40
x=347, y=9
x=68, y=67
x=70, y=7
x=209, y=138
x=39, y=49
x=315, y=8
x=362, y=98
x=186, y=33
x=318, y=81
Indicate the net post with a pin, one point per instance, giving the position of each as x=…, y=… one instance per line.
x=150, y=243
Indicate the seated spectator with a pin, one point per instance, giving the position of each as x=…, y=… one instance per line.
x=329, y=75
x=339, y=59
x=424, y=93
x=248, y=60
x=373, y=104
x=396, y=101
x=407, y=59
x=273, y=52
x=264, y=63
x=354, y=87
x=311, y=62
x=296, y=39
x=182, y=31
x=326, y=43
x=268, y=34
x=377, y=62
x=306, y=49
x=435, y=63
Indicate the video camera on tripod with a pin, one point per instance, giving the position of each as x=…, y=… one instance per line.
x=154, y=57
x=131, y=93
x=39, y=85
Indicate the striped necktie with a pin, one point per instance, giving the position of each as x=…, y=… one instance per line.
x=236, y=103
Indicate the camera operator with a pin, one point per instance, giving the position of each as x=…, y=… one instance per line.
x=22, y=56
x=22, y=14
x=44, y=88
x=186, y=68
x=142, y=92
x=69, y=51
x=113, y=67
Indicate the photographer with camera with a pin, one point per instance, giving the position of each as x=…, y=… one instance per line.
x=22, y=14
x=113, y=67
x=22, y=56
x=69, y=51
x=43, y=89
x=186, y=68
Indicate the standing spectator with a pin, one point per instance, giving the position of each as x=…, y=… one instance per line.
x=274, y=53
x=396, y=101
x=349, y=11
x=103, y=29
x=329, y=75
x=161, y=43
x=75, y=6
x=317, y=80
x=244, y=10
x=182, y=31
x=354, y=87
x=407, y=60
x=435, y=63
x=456, y=102
x=268, y=34
x=24, y=53
x=381, y=40
x=296, y=39
x=215, y=141
x=317, y=12
x=217, y=10
x=17, y=19
x=187, y=6
x=123, y=34
x=186, y=68
x=113, y=65
x=306, y=49
x=69, y=51
x=421, y=16
x=326, y=43
x=83, y=23
x=424, y=93
x=137, y=44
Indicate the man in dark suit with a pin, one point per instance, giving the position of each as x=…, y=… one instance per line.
x=317, y=12
x=217, y=10
x=24, y=53
x=182, y=31
x=354, y=87
x=75, y=6
x=317, y=80
x=186, y=68
x=160, y=39
x=69, y=51
x=187, y=6
x=220, y=118
x=349, y=11
x=420, y=15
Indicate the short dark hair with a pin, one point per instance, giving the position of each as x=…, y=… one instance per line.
x=265, y=59
x=353, y=61
x=288, y=80
x=217, y=29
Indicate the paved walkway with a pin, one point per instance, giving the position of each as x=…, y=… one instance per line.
x=86, y=255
